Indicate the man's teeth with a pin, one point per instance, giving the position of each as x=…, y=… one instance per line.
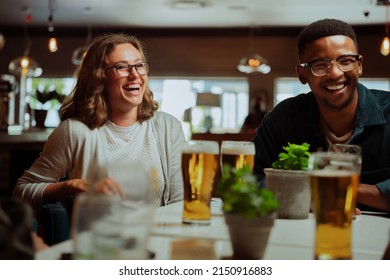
x=335, y=87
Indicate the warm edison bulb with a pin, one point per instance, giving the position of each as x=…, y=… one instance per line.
x=253, y=62
x=25, y=62
x=53, y=44
x=385, y=47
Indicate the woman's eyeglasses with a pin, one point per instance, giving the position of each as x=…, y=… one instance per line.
x=124, y=69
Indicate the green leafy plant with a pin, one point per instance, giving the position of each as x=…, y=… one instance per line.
x=241, y=193
x=295, y=158
x=44, y=96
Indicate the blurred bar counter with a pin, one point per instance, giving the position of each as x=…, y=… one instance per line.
x=17, y=153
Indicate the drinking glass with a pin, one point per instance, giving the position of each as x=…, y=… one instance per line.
x=347, y=148
x=334, y=179
x=88, y=208
x=199, y=167
x=237, y=154
x=112, y=227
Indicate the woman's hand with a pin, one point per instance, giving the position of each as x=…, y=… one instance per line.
x=109, y=186
x=78, y=185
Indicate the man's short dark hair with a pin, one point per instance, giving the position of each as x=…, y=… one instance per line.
x=324, y=28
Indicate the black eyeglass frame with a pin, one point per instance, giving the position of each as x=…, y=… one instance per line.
x=130, y=67
x=310, y=63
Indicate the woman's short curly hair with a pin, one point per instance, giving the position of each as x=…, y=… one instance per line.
x=88, y=101
x=324, y=28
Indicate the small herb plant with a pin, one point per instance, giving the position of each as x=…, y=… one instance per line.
x=241, y=193
x=44, y=96
x=295, y=158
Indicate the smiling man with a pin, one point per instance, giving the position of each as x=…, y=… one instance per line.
x=338, y=109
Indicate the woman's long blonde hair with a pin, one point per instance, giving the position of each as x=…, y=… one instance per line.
x=88, y=101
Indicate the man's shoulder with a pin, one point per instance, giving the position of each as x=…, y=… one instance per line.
x=382, y=97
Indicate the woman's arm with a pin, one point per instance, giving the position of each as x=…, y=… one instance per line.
x=53, y=163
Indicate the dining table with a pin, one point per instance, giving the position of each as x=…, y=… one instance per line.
x=290, y=239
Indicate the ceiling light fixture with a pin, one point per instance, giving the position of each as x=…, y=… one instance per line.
x=25, y=65
x=253, y=62
x=385, y=46
x=53, y=47
x=79, y=53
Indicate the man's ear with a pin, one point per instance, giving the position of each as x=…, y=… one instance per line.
x=300, y=73
x=360, y=65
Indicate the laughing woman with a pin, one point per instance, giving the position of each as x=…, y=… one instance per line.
x=110, y=117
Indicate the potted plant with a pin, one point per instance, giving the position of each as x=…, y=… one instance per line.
x=42, y=101
x=288, y=180
x=249, y=211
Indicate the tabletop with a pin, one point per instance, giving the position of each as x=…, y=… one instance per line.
x=289, y=239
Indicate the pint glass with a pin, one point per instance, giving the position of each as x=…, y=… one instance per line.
x=237, y=153
x=199, y=166
x=334, y=179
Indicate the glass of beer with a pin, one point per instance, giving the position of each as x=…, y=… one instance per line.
x=334, y=179
x=199, y=166
x=347, y=149
x=237, y=154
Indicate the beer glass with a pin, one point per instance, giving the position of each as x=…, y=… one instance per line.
x=237, y=154
x=334, y=179
x=199, y=166
x=347, y=149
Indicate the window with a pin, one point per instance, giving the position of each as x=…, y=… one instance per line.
x=176, y=96
x=53, y=88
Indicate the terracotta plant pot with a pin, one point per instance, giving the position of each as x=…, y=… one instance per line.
x=292, y=190
x=249, y=237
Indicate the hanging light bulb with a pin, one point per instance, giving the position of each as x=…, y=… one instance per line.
x=53, y=44
x=254, y=62
x=53, y=47
x=385, y=46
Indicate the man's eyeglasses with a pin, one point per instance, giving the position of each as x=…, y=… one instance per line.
x=124, y=69
x=321, y=67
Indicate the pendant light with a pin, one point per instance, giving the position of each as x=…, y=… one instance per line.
x=25, y=65
x=79, y=53
x=253, y=62
x=385, y=46
x=53, y=46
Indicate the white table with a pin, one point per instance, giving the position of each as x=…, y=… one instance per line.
x=290, y=239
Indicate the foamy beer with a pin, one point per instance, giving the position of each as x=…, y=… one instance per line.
x=199, y=166
x=238, y=153
x=334, y=179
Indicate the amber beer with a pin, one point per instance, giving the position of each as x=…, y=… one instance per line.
x=334, y=183
x=238, y=153
x=199, y=166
